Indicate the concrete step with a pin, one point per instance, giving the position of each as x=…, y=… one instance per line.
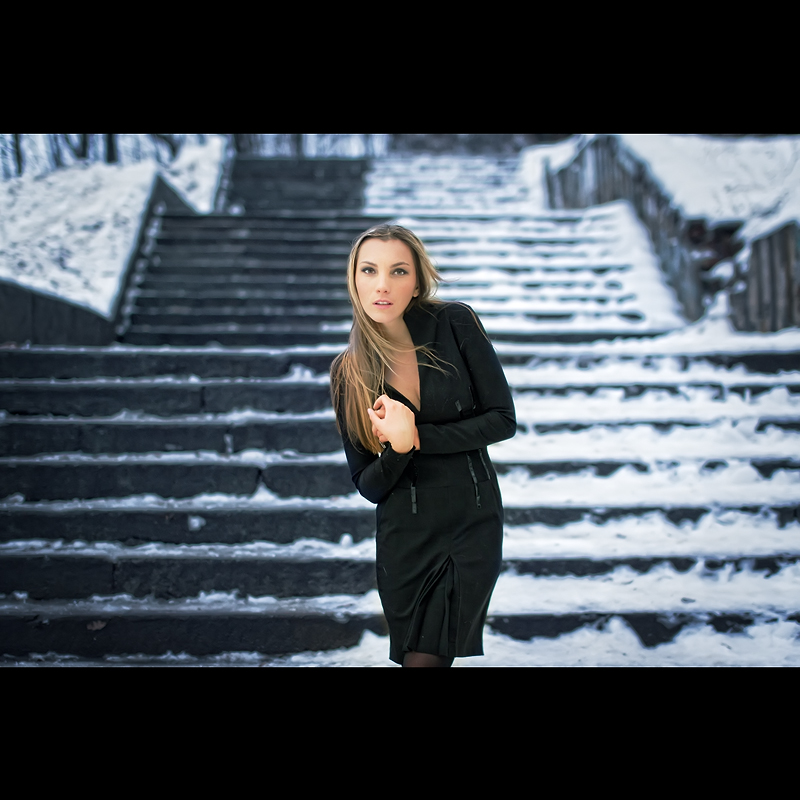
x=234, y=335
x=240, y=520
x=137, y=362
x=577, y=357
x=205, y=262
x=559, y=515
x=652, y=628
x=122, y=625
x=233, y=433
x=270, y=284
x=167, y=396
x=259, y=236
x=252, y=200
x=47, y=571
x=313, y=169
x=746, y=386
x=204, y=316
x=141, y=434
x=78, y=476
x=74, y=573
x=92, y=398
x=176, y=522
x=69, y=362
x=282, y=284
x=766, y=467
x=320, y=221
x=661, y=425
x=174, y=250
x=276, y=302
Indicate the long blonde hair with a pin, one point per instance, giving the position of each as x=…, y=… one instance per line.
x=358, y=376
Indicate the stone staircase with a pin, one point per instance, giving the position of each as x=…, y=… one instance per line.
x=182, y=497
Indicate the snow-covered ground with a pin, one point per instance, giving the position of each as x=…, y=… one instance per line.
x=722, y=179
x=69, y=233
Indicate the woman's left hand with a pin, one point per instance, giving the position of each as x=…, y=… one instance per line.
x=394, y=422
x=380, y=412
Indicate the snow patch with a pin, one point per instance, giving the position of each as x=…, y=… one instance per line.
x=70, y=233
x=722, y=180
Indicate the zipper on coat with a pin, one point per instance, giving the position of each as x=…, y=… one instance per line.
x=475, y=481
x=483, y=461
x=414, y=488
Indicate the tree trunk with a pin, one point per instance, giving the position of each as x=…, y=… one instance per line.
x=18, y=152
x=82, y=149
x=111, y=148
x=55, y=150
x=297, y=141
x=169, y=141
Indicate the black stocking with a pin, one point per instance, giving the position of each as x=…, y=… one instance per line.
x=414, y=659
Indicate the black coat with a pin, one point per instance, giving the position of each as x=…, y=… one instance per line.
x=440, y=515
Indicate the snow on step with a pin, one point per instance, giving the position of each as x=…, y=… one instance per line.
x=511, y=267
x=663, y=589
x=613, y=643
x=666, y=484
x=733, y=439
x=691, y=403
x=721, y=534
x=300, y=550
x=209, y=603
x=445, y=184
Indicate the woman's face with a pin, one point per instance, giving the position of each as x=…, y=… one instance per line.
x=386, y=279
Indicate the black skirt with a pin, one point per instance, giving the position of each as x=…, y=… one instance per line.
x=437, y=568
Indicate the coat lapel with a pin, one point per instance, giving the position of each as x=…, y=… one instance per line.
x=422, y=327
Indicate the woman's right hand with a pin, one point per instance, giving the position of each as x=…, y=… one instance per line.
x=394, y=422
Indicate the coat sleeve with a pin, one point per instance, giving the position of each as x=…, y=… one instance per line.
x=496, y=418
x=374, y=476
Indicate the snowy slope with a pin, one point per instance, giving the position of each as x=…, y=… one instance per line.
x=69, y=233
x=719, y=179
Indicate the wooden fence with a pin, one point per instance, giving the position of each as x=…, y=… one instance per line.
x=604, y=170
x=765, y=295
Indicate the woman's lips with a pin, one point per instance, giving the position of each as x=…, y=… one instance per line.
x=382, y=303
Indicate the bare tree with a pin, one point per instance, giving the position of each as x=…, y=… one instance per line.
x=81, y=150
x=18, y=152
x=55, y=150
x=171, y=141
x=112, y=156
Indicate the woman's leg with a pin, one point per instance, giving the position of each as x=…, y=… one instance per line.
x=414, y=659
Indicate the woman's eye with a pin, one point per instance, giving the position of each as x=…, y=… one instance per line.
x=400, y=272
x=367, y=270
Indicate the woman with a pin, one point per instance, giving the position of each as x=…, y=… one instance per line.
x=419, y=394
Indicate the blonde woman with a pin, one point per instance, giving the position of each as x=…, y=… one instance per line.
x=419, y=394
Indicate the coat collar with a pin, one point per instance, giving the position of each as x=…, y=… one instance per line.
x=421, y=322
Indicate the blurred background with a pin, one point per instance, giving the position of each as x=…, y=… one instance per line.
x=173, y=485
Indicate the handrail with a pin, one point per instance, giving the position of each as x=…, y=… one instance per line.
x=603, y=169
